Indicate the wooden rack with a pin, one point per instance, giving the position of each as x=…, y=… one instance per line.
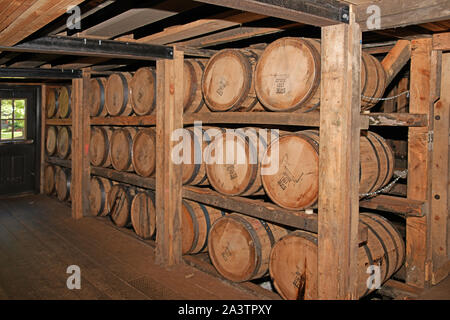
x=427, y=189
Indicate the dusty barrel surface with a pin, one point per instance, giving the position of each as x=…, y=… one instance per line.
x=228, y=81
x=64, y=142
x=121, y=148
x=51, y=140
x=99, y=146
x=233, y=161
x=239, y=246
x=49, y=179
x=64, y=102
x=118, y=94
x=143, y=214
x=293, y=260
x=197, y=220
x=287, y=77
x=62, y=183
x=295, y=185
x=97, y=98
x=193, y=72
x=51, y=104
x=119, y=202
x=98, y=196
x=143, y=91
x=144, y=152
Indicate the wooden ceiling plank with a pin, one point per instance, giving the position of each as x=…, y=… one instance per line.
x=234, y=34
x=35, y=17
x=402, y=13
x=200, y=27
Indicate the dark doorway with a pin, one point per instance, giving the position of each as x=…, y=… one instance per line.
x=19, y=139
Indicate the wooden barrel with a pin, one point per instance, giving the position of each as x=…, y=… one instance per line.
x=233, y=161
x=99, y=146
x=143, y=214
x=377, y=162
x=51, y=104
x=197, y=220
x=64, y=102
x=143, y=91
x=118, y=94
x=50, y=140
x=293, y=260
x=64, y=142
x=239, y=246
x=62, y=183
x=96, y=97
x=373, y=81
x=287, y=77
x=143, y=154
x=98, y=196
x=193, y=72
x=295, y=185
x=121, y=148
x=194, y=168
x=119, y=202
x=49, y=179
x=227, y=82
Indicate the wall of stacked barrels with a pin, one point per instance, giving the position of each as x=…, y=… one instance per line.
x=58, y=143
x=283, y=76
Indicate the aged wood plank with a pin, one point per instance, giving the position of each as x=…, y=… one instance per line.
x=397, y=119
x=401, y=13
x=169, y=117
x=43, y=114
x=125, y=177
x=125, y=121
x=201, y=27
x=80, y=142
x=396, y=59
x=440, y=176
x=441, y=41
x=59, y=122
x=402, y=206
x=339, y=148
x=422, y=88
x=59, y=162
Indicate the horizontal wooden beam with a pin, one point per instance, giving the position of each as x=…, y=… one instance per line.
x=124, y=121
x=399, y=290
x=59, y=122
x=314, y=12
x=125, y=177
x=93, y=48
x=39, y=73
x=59, y=162
x=441, y=41
x=401, y=206
x=397, y=119
x=400, y=13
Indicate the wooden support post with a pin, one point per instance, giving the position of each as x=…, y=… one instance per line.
x=424, y=65
x=339, y=161
x=80, y=147
x=440, y=178
x=169, y=117
x=43, y=114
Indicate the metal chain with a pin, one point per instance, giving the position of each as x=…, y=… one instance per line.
x=388, y=98
x=398, y=175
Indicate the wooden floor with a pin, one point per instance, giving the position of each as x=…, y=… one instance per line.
x=39, y=240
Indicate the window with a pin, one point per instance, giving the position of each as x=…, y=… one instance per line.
x=13, y=119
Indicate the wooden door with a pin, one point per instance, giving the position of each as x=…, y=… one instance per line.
x=18, y=139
